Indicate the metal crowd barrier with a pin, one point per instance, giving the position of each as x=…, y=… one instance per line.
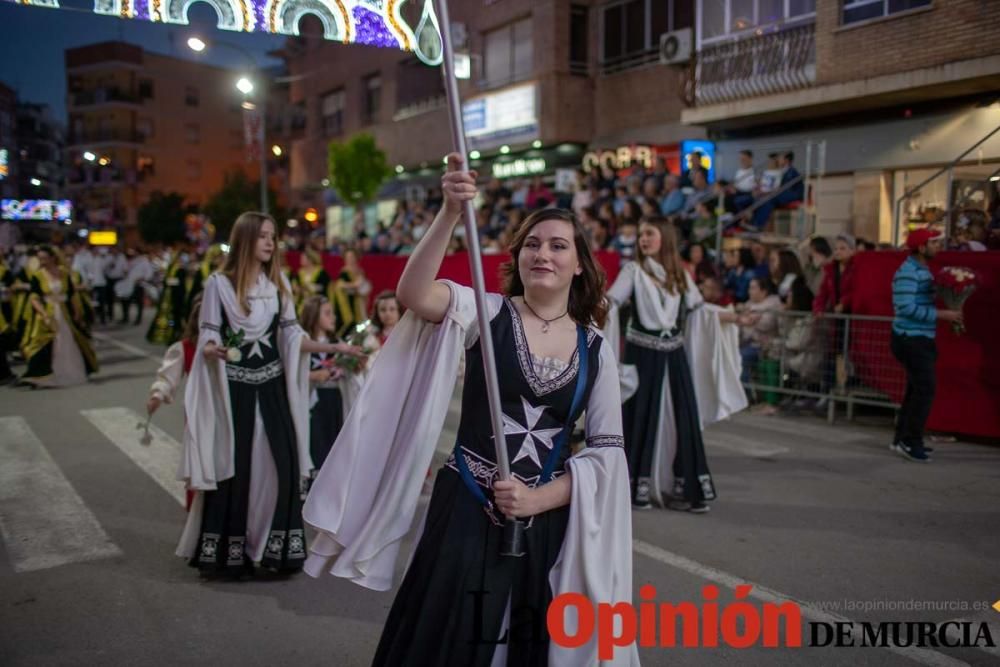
x=819, y=361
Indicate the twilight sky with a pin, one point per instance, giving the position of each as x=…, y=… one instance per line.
x=33, y=39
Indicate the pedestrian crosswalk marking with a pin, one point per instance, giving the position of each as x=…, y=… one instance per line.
x=159, y=459
x=44, y=521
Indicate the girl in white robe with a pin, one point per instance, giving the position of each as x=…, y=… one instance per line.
x=461, y=602
x=246, y=441
x=663, y=439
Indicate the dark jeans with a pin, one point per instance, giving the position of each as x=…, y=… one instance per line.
x=138, y=296
x=917, y=354
x=108, y=300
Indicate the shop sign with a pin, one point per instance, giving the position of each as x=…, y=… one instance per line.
x=707, y=150
x=507, y=113
x=103, y=238
x=36, y=209
x=519, y=167
x=622, y=157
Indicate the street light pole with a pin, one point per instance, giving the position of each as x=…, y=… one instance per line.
x=197, y=45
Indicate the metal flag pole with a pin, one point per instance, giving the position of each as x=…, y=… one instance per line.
x=513, y=528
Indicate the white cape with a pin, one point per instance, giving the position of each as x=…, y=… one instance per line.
x=363, y=502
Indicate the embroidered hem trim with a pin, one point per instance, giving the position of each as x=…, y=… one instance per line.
x=606, y=441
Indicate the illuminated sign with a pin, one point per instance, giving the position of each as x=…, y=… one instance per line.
x=103, y=238
x=4, y=168
x=519, y=167
x=707, y=150
x=372, y=22
x=36, y=209
x=509, y=113
x=622, y=157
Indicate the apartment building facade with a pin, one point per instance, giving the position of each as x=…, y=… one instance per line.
x=551, y=85
x=141, y=122
x=882, y=96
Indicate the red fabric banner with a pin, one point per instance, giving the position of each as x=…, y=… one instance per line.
x=383, y=271
x=968, y=376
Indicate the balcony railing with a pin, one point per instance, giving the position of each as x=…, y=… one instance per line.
x=766, y=64
x=630, y=61
x=105, y=137
x=104, y=96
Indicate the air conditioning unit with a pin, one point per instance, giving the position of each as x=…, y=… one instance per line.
x=675, y=47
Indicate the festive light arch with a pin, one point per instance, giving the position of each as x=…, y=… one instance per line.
x=371, y=22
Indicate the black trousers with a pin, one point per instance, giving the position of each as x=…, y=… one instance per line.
x=917, y=354
x=138, y=297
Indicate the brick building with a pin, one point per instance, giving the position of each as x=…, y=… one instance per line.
x=561, y=79
x=881, y=94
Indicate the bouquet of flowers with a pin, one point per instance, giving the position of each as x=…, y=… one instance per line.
x=232, y=342
x=358, y=338
x=954, y=285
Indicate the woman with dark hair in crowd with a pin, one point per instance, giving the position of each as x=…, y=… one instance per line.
x=803, y=344
x=738, y=264
x=834, y=296
x=552, y=365
x=820, y=254
x=386, y=313
x=759, y=327
x=784, y=268
x=697, y=263
x=663, y=425
x=630, y=212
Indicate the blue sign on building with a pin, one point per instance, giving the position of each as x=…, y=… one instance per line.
x=707, y=150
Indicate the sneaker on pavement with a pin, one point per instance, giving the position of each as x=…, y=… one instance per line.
x=698, y=508
x=916, y=455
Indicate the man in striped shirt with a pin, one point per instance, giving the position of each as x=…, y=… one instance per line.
x=913, y=330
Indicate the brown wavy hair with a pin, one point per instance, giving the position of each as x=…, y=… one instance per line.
x=669, y=256
x=242, y=255
x=309, y=317
x=385, y=295
x=586, y=294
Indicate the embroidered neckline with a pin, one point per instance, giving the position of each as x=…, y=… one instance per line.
x=539, y=386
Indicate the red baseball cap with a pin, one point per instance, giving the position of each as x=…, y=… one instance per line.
x=919, y=237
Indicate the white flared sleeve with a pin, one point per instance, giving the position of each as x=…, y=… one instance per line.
x=713, y=350
x=208, y=433
x=296, y=365
x=364, y=499
x=628, y=375
x=170, y=374
x=621, y=290
x=596, y=555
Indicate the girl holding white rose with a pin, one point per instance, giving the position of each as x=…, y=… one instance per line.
x=246, y=441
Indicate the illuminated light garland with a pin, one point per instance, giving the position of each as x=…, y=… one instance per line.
x=375, y=23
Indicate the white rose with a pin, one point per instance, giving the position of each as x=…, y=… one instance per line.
x=233, y=355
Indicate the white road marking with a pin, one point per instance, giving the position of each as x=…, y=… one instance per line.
x=44, y=522
x=159, y=459
x=922, y=655
x=128, y=347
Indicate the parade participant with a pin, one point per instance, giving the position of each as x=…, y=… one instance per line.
x=176, y=365
x=246, y=442
x=663, y=424
x=311, y=279
x=171, y=316
x=459, y=595
x=213, y=260
x=326, y=412
x=350, y=293
x=7, y=335
x=130, y=290
x=385, y=314
x=55, y=346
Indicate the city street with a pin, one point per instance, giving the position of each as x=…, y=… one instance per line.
x=819, y=514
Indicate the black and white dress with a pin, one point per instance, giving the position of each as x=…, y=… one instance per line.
x=662, y=424
x=326, y=412
x=246, y=438
x=459, y=595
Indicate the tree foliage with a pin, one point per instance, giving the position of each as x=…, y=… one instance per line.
x=357, y=169
x=161, y=218
x=237, y=195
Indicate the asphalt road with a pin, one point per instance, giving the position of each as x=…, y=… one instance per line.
x=819, y=514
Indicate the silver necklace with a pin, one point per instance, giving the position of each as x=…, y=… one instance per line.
x=545, y=322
